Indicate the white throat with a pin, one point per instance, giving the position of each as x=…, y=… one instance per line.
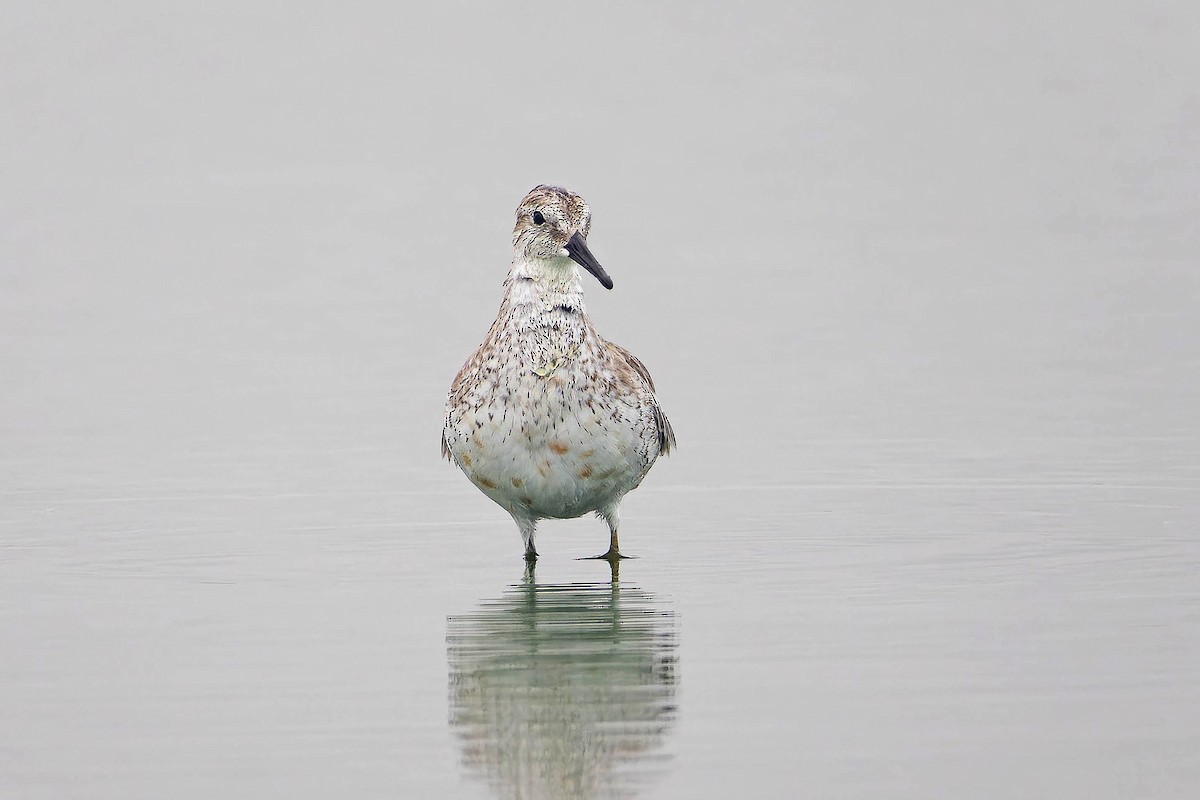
x=547, y=282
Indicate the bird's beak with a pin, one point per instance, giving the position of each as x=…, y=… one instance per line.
x=577, y=251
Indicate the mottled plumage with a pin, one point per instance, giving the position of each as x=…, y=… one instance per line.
x=547, y=418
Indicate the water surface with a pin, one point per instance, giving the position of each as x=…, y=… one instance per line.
x=918, y=287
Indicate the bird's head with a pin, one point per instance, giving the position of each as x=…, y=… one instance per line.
x=552, y=226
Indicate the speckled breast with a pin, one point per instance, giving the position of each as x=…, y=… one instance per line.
x=547, y=434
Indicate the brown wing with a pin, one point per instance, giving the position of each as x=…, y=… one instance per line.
x=666, y=436
x=633, y=361
x=453, y=397
x=470, y=367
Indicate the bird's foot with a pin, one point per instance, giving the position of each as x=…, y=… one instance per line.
x=612, y=556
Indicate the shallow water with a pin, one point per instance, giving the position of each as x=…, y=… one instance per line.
x=919, y=293
x=563, y=689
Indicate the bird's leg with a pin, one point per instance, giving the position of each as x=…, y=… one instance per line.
x=527, y=528
x=614, y=551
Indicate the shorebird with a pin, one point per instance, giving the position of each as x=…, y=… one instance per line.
x=547, y=418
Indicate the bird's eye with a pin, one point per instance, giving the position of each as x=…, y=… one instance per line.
x=538, y=219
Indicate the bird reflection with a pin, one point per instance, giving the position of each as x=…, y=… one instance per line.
x=564, y=690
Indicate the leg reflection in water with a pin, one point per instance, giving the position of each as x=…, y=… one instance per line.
x=564, y=690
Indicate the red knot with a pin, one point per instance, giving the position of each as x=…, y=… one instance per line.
x=547, y=418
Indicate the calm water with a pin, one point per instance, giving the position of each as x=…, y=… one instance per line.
x=563, y=689
x=920, y=292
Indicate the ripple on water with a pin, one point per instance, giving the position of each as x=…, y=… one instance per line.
x=564, y=690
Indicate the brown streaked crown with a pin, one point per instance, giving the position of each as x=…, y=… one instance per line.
x=564, y=213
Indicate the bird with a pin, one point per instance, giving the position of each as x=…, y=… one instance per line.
x=547, y=418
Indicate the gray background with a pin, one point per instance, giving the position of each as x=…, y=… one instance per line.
x=919, y=286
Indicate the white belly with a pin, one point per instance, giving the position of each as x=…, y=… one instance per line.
x=542, y=450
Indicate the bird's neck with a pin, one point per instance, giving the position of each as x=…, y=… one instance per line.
x=545, y=284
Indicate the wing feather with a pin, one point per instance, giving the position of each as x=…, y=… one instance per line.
x=666, y=435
